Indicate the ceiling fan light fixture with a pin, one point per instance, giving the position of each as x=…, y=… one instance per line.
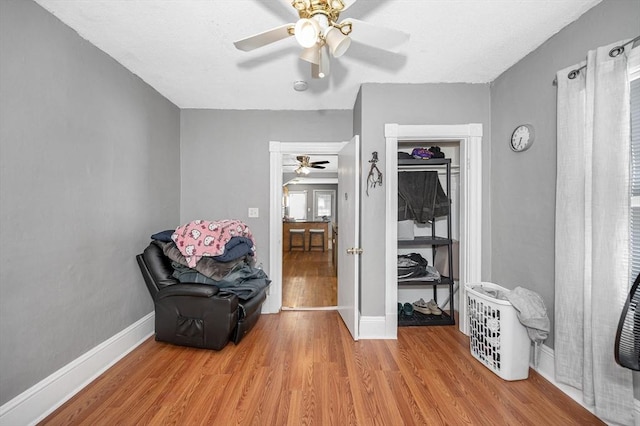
x=322, y=20
x=322, y=35
x=311, y=54
x=337, y=4
x=301, y=4
x=345, y=27
x=307, y=32
x=338, y=42
x=302, y=170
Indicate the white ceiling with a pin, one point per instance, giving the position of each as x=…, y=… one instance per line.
x=184, y=48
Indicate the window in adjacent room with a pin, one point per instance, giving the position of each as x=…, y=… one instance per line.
x=298, y=205
x=323, y=204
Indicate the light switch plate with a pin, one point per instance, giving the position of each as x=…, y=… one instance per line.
x=253, y=212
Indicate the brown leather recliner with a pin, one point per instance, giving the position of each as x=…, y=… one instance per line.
x=197, y=315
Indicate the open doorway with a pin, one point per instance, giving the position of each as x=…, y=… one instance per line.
x=309, y=215
x=324, y=264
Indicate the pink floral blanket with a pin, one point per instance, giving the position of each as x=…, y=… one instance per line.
x=201, y=238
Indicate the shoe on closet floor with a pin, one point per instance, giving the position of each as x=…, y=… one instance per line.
x=433, y=306
x=407, y=309
x=422, y=307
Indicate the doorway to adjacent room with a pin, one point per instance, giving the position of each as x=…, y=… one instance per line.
x=348, y=236
x=309, y=269
x=303, y=279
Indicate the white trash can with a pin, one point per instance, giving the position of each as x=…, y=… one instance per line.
x=497, y=338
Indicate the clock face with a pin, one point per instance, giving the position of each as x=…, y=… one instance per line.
x=522, y=137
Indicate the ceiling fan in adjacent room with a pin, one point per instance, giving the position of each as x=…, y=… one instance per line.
x=320, y=33
x=305, y=165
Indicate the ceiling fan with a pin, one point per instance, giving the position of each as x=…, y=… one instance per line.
x=305, y=165
x=320, y=33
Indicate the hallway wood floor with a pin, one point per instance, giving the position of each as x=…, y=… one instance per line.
x=308, y=279
x=303, y=368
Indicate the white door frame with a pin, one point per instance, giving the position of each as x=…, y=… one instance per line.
x=470, y=138
x=273, y=304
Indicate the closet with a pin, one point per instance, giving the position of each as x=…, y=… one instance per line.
x=466, y=218
x=428, y=207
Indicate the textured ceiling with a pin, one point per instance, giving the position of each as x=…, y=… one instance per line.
x=184, y=48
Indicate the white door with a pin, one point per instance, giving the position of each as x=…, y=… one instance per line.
x=349, y=234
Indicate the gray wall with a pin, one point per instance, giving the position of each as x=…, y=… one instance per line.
x=88, y=170
x=225, y=160
x=411, y=104
x=523, y=184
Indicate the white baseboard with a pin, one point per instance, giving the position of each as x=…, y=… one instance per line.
x=546, y=368
x=40, y=400
x=373, y=328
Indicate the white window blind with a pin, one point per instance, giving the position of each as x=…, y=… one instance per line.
x=323, y=203
x=298, y=205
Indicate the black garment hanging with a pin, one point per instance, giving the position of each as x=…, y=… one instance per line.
x=421, y=197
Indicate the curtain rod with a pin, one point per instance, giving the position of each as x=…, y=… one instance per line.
x=616, y=51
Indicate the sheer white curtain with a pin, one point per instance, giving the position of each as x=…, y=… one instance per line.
x=592, y=231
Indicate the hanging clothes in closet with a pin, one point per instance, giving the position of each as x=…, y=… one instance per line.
x=421, y=197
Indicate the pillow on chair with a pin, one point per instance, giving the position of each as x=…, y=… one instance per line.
x=164, y=236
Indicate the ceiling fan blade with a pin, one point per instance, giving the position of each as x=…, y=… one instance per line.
x=347, y=4
x=376, y=36
x=325, y=62
x=315, y=71
x=264, y=38
x=317, y=167
x=319, y=162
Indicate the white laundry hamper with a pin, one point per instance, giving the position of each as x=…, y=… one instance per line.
x=497, y=338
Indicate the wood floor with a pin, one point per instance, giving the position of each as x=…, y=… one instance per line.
x=308, y=279
x=303, y=368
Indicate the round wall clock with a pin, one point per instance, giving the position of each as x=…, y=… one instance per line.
x=522, y=138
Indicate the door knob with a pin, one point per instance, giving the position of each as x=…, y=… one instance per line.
x=354, y=250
